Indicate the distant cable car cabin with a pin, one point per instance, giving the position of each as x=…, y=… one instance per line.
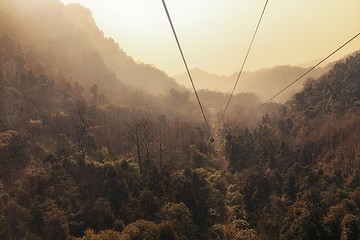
x=228, y=136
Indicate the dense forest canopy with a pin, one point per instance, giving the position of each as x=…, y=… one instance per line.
x=87, y=154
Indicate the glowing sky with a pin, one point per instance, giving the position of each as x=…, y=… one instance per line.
x=215, y=34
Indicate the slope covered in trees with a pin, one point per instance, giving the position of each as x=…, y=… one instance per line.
x=80, y=162
x=299, y=171
x=66, y=42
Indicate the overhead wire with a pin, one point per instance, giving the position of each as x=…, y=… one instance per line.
x=185, y=63
x=309, y=70
x=245, y=59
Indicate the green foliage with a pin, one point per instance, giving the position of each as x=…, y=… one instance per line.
x=102, y=235
x=180, y=218
x=166, y=231
x=56, y=224
x=14, y=219
x=141, y=229
x=350, y=227
x=333, y=220
x=199, y=159
x=100, y=215
x=80, y=170
x=232, y=231
x=14, y=152
x=303, y=222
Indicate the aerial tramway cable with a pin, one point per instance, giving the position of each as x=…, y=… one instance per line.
x=186, y=66
x=243, y=64
x=312, y=68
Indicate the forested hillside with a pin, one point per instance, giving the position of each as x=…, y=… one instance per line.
x=84, y=155
x=66, y=42
x=298, y=172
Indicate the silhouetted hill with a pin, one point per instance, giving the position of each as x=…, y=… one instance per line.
x=264, y=83
x=204, y=80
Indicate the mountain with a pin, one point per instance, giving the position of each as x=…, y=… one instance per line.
x=323, y=118
x=311, y=148
x=264, y=83
x=65, y=41
x=204, y=80
x=85, y=156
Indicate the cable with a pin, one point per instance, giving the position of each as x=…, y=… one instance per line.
x=246, y=56
x=312, y=68
x=186, y=66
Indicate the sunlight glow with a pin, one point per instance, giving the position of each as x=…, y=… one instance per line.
x=215, y=34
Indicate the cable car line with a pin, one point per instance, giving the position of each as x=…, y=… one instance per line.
x=312, y=68
x=243, y=64
x=186, y=66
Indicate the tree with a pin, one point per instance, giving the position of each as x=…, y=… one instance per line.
x=102, y=235
x=14, y=150
x=100, y=215
x=115, y=188
x=350, y=228
x=14, y=220
x=85, y=138
x=333, y=220
x=94, y=92
x=303, y=222
x=1, y=81
x=141, y=132
x=162, y=121
x=180, y=218
x=141, y=229
x=56, y=224
x=239, y=230
x=149, y=204
x=166, y=232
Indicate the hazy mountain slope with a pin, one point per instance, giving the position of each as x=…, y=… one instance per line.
x=265, y=82
x=204, y=80
x=337, y=91
x=307, y=157
x=139, y=75
x=66, y=42
x=328, y=111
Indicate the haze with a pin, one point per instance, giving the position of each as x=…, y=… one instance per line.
x=215, y=34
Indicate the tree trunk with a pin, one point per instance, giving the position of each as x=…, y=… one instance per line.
x=139, y=157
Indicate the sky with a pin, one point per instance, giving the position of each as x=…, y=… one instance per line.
x=215, y=34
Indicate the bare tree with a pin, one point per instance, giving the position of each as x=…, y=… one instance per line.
x=141, y=133
x=94, y=92
x=84, y=137
x=162, y=120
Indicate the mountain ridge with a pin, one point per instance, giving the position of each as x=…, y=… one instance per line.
x=70, y=43
x=263, y=82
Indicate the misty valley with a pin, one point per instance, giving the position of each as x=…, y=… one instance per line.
x=96, y=146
